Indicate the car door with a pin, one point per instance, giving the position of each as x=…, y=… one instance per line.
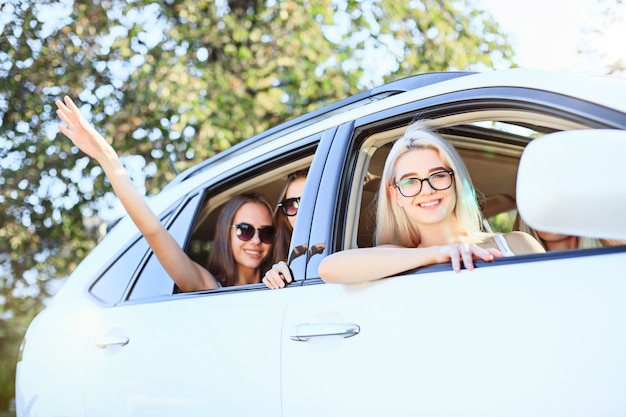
x=160, y=354
x=528, y=335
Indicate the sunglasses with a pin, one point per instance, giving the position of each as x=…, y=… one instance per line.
x=245, y=232
x=290, y=206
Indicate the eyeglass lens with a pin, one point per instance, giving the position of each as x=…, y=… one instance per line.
x=245, y=232
x=290, y=206
x=410, y=187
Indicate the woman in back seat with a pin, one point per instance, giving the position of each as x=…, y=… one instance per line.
x=557, y=241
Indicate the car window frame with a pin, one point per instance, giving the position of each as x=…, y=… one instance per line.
x=332, y=215
x=302, y=148
x=110, y=270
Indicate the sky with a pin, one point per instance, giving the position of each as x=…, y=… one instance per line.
x=547, y=34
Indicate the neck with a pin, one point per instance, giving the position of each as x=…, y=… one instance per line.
x=439, y=234
x=248, y=276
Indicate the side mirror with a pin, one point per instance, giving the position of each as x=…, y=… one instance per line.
x=574, y=182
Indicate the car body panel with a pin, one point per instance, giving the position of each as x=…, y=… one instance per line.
x=172, y=369
x=518, y=339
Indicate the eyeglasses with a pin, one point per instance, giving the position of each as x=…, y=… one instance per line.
x=290, y=206
x=410, y=187
x=246, y=231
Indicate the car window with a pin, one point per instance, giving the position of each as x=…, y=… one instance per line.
x=153, y=281
x=194, y=225
x=269, y=183
x=490, y=143
x=112, y=284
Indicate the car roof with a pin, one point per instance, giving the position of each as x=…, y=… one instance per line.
x=598, y=89
x=606, y=91
x=325, y=112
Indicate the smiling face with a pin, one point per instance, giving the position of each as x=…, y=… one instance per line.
x=429, y=206
x=249, y=255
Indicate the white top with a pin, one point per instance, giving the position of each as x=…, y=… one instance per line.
x=502, y=244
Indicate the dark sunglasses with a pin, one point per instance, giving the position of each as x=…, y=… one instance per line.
x=290, y=206
x=245, y=232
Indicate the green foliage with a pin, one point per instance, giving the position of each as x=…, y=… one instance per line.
x=184, y=80
x=503, y=222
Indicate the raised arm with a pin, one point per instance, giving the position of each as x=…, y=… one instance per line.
x=188, y=275
x=369, y=264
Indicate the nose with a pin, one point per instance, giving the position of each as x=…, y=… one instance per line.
x=429, y=190
x=256, y=238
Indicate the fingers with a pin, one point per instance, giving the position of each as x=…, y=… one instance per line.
x=455, y=258
x=65, y=130
x=65, y=113
x=465, y=254
x=278, y=277
x=495, y=253
x=274, y=281
x=62, y=112
x=70, y=103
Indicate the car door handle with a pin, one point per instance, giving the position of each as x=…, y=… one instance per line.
x=105, y=341
x=304, y=332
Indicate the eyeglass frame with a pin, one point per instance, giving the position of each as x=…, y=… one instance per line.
x=257, y=230
x=421, y=180
x=283, y=207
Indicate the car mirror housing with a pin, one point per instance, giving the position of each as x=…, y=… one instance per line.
x=575, y=183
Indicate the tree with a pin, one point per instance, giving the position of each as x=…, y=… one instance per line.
x=180, y=80
x=604, y=41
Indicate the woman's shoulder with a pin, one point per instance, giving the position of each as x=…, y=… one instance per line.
x=522, y=243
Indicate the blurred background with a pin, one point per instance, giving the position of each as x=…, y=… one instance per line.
x=173, y=82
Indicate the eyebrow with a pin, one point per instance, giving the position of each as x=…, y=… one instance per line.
x=430, y=172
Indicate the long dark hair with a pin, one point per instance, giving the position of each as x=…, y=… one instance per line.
x=221, y=261
x=283, y=227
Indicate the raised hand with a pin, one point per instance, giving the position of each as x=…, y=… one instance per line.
x=79, y=130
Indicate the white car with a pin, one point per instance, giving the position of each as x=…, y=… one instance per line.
x=540, y=335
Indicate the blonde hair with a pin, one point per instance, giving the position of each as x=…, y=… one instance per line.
x=393, y=225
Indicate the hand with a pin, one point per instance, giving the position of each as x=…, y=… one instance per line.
x=278, y=277
x=466, y=253
x=79, y=130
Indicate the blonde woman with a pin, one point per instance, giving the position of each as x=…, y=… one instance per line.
x=427, y=213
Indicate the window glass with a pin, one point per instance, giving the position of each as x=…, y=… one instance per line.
x=153, y=281
x=110, y=287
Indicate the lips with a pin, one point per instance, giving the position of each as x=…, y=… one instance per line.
x=430, y=204
x=253, y=253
